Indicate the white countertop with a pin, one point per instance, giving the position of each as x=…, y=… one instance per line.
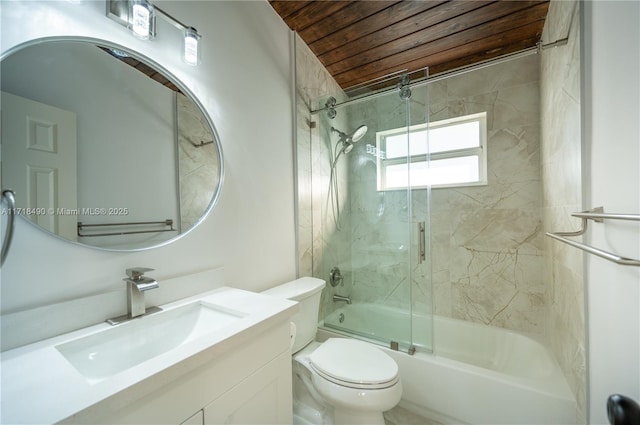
x=39, y=385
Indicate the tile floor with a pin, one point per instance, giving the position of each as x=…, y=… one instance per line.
x=401, y=416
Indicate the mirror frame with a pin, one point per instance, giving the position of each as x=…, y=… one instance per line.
x=173, y=79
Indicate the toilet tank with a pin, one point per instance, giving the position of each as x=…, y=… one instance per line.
x=307, y=291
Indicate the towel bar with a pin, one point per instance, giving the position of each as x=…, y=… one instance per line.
x=598, y=215
x=167, y=222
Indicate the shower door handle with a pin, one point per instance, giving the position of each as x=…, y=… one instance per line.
x=422, y=254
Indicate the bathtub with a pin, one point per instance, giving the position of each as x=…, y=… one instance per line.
x=477, y=374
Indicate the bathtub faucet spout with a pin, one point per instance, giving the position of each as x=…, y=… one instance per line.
x=337, y=298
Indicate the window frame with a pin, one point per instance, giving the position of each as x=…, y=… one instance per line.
x=480, y=151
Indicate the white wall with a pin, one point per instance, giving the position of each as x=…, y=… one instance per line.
x=612, y=179
x=244, y=84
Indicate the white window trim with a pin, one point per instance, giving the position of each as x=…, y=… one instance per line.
x=481, y=151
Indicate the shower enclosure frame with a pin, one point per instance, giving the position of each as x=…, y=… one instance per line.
x=410, y=234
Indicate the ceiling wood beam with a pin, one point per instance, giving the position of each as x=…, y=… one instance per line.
x=364, y=40
x=286, y=8
x=408, y=32
x=509, y=14
x=384, y=18
x=347, y=17
x=436, y=55
x=314, y=12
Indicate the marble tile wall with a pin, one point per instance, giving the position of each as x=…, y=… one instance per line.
x=316, y=227
x=562, y=195
x=380, y=233
x=199, y=166
x=487, y=242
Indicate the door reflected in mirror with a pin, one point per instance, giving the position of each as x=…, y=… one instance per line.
x=102, y=148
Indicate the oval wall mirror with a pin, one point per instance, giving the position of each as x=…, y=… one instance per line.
x=102, y=147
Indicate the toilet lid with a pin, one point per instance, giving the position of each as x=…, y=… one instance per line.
x=355, y=364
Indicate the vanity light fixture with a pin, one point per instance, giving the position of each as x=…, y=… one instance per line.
x=143, y=19
x=191, y=51
x=140, y=17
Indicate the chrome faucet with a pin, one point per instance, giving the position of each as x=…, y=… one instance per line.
x=137, y=284
x=337, y=298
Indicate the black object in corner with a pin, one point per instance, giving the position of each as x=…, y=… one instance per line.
x=622, y=410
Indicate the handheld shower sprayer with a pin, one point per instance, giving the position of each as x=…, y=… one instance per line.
x=343, y=146
x=348, y=140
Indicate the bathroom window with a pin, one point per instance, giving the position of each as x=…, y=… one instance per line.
x=456, y=148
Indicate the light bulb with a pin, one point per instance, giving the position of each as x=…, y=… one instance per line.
x=142, y=20
x=191, y=52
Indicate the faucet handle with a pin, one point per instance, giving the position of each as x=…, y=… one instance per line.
x=136, y=273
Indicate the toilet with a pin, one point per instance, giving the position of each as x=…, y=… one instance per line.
x=340, y=381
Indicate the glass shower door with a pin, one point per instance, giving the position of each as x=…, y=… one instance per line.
x=369, y=232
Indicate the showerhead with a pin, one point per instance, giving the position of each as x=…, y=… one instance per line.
x=359, y=133
x=353, y=138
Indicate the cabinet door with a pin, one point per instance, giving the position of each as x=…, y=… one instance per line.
x=263, y=398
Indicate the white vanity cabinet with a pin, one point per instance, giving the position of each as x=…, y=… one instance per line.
x=262, y=398
x=247, y=382
x=222, y=356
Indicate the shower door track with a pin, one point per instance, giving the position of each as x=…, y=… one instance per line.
x=395, y=346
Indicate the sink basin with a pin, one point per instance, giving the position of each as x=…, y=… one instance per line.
x=106, y=353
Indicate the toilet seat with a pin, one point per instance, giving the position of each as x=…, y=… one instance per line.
x=354, y=364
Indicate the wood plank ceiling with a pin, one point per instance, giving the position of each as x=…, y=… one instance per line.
x=142, y=67
x=360, y=41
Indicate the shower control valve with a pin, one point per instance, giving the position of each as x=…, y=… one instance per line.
x=335, y=277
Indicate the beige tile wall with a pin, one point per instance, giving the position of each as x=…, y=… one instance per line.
x=199, y=166
x=562, y=195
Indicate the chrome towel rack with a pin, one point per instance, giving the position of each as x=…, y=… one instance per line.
x=598, y=215
x=167, y=222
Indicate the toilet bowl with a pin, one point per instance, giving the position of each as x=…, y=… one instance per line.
x=345, y=381
x=358, y=380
